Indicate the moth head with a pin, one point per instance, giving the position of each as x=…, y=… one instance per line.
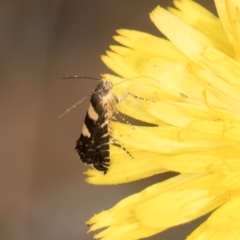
x=106, y=87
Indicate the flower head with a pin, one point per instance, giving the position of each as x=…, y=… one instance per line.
x=193, y=78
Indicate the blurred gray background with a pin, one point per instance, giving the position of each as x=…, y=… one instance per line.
x=43, y=193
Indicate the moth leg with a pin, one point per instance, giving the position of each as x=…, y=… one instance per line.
x=121, y=98
x=119, y=115
x=118, y=144
x=123, y=119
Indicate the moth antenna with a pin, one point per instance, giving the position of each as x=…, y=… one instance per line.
x=80, y=101
x=80, y=77
x=134, y=78
x=74, y=106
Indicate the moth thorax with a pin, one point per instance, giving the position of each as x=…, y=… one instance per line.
x=109, y=101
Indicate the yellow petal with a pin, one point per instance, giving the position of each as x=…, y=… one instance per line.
x=229, y=13
x=202, y=20
x=224, y=223
x=188, y=40
x=184, y=198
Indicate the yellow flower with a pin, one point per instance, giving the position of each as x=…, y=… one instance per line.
x=194, y=80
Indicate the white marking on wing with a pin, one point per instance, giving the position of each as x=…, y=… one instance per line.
x=85, y=131
x=92, y=113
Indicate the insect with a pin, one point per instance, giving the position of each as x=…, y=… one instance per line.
x=93, y=145
x=94, y=142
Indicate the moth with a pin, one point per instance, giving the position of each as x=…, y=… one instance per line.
x=93, y=145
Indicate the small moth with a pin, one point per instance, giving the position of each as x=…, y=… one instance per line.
x=94, y=142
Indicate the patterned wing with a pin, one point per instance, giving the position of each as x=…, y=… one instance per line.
x=93, y=144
